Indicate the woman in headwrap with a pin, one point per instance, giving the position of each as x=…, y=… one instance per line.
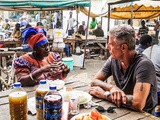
x=40, y=64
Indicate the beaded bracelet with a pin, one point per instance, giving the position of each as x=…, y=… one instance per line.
x=66, y=72
x=31, y=76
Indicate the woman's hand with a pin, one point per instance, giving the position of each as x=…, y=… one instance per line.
x=117, y=96
x=53, y=68
x=61, y=65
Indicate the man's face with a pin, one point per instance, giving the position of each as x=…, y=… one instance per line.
x=114, y=48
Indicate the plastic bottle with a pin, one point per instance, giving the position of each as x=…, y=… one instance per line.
x=52, y=104
x=40, y=93
x=18, y=103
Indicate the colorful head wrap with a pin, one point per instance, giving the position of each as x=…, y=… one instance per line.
x=34, y=36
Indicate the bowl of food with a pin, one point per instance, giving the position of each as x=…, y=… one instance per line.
x=94, y=115
x=58, y=83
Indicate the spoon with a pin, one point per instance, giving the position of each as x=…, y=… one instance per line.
x=102, y=109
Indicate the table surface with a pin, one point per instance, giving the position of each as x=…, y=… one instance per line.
x=119, y=114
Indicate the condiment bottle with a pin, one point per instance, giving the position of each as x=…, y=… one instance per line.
x=39, y=94
x=18, y=103
x=52, y=104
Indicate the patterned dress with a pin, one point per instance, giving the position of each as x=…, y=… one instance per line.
x=27, y=64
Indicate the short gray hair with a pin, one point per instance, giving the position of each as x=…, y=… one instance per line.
x=124, y=33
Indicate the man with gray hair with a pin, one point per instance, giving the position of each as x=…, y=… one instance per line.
x=134, y=74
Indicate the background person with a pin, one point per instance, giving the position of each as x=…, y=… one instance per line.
x=84, y=26
x=44, y=23
x=16, y=34
x=134, y=74
x=98, y=32
x=143, y=30
x=6, y=25
x=153, y=53
x=156, y=29
x=1, y=23
x=58, y=35
x=40, y=64
x=70, y=25
x=92, y=25
x=81, y=30
x=145, y=42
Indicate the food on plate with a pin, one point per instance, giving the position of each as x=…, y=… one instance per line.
x=95, y=115
x=84, y=97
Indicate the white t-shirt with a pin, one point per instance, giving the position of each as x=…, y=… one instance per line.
x=44, y=22
x=71, y=23
x=58, y=35
x=153, y=54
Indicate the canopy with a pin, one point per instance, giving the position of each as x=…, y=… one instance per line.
x=141, y=10
x=39, y=5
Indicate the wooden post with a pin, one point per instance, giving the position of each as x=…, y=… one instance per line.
x=86, y=38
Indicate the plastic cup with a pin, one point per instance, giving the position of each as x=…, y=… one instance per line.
x=74, y=105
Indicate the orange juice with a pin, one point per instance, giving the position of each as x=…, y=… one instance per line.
x=18, y=105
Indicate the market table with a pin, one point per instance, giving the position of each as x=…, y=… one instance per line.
x=11, y=43
x=98, y=43
x=119, y=114
x=6, y=60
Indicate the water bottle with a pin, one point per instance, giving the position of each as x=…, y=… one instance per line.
x=39, y=94
x=18, y=103
x=52, y=105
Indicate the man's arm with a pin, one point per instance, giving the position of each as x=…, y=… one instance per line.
x=137, y=101
x=99, y=81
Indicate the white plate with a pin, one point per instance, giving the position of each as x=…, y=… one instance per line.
x=84, y=97
x=59, y=83
x=80, y=115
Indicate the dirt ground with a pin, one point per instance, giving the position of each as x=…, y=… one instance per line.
x=92, y=66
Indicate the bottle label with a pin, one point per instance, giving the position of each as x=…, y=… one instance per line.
x=39, y=102
x=52, y=107
x=39, y=98
x=52, y=116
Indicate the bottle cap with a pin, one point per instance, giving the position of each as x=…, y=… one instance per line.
x=42, y=81
x=53, y=87
x=17, y=84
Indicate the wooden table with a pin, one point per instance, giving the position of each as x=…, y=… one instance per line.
x=7, y=57
x=91, y=44
x=119, y=114
x=11, y=43
x=4, y=54
x=72, y=43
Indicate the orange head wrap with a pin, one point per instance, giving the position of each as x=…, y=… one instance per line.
x=37, y=40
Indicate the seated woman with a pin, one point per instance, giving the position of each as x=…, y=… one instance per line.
x=81, y=30
x=40, y=64
x=16, y=34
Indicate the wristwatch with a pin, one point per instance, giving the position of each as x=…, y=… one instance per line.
x=107, y=93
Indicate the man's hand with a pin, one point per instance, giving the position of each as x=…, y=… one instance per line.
x=97, y=91
x=118, y=96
